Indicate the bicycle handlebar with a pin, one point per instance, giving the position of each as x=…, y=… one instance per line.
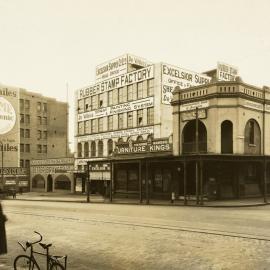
x=28, y=244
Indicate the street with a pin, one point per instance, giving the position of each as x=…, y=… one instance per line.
x=112, y=236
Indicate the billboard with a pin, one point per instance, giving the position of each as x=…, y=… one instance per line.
x=9, y=126
x=226, y=72
x=172, y=76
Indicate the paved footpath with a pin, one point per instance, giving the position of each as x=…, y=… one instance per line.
x=125, y=236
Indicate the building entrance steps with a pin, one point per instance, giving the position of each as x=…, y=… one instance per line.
x=81, y=198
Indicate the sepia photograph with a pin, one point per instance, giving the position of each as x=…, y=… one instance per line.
x=134, y=135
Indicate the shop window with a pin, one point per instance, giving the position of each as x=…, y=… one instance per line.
x=100, y=148
x=150, y=116
x=150, y=87
x=162, y=180
x=110, y=147
x=93, y=149
x=139, y=117
x=130, y=119
x=79, y=150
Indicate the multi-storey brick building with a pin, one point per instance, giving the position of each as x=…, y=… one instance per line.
x=34, y=127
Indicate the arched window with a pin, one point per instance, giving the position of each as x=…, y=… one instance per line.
x=86, y=149
x=100, y=148
x=139, y=138
x=79, y=150
x=252, y=137
x=110, y=147
x=120, y=140
x=93, y=149
x=150, y=138
x=226, y=137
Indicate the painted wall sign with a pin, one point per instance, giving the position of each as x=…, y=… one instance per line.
x=191, y=115
x=174, y=76
x=50, y=169
x=138, y=61
x=112, y=68
x=7, y=116
x=116, y=82
x=120, y=108
x=52, y=161
x=143, y=147
x=14, y=171
x=226, y=72
x=194, y=105
x=117, y=134
x=253, y=105
x=104, y=166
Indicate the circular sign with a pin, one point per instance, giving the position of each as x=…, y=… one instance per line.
x=7, y=116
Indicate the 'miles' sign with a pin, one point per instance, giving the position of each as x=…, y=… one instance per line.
x=143, y=147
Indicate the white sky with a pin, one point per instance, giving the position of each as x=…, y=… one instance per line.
x=45, y=44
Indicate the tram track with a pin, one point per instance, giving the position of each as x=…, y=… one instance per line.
x=151, y=225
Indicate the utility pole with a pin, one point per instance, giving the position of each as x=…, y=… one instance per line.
x=197, y=155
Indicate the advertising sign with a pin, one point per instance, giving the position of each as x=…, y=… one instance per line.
x=120, y=108
x=112, y=68
x=116, y=82
x=174, y=76
x=52, y=161
x=191, y=115
x=138, y=61
x=143, y=147
x=51, y=169
x=226, y=72
x=194, y=105
x=117, y=134
x=9, y=125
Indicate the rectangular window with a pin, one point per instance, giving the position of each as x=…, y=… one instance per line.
x=45, y=134
x=21, y=118
x=21, y=104
x=150, y=116
x=93, y=126
x=44, y=120
x=130, y=119
x=134, y=90
x=100, y=124
x=125, y=94
x=27, y=104
x=87, y=127
x=110, y=122
x=140, y=90
x=39, y=148
x=139, y=118
x=39, y=134
x=27, y=163
x=251, y=132
x=27, y=133
x=100, y=100
x=110, y=98
x=21, y=148
x=21, y=132
x=27, y=148
x=80, y=128
x=44, y=107
x=130, y=92
x=88, y=104
x=120, y=95
x=39, y=120
x=44, y=148
x=94, y=102
x=150, y=87
x=120, y=120
x=81, y=106
x=21, y=163
x=39, y=106
x=27, y=119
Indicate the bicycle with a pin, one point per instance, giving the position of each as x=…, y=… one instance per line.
x=29, y=262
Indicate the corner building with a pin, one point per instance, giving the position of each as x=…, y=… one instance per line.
x=124, y=117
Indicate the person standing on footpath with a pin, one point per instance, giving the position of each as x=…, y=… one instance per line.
x=3, y=238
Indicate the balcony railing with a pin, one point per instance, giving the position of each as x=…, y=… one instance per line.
x=190, y=147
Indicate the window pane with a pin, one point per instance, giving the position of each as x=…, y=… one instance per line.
x=140, y=90
x=130, y=119
x=150, y=87
x=139, y=117
x=150, y=116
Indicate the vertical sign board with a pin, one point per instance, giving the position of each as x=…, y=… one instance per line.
x=9, y=126
x=226, y=72
x=174, y=76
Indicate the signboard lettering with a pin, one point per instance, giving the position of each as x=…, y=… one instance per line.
x=226, y=72
x=194, y=105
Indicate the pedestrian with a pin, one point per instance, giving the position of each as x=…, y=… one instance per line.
x=3, y=239
x=14, y=193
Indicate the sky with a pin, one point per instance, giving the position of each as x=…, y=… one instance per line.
x=53, y=46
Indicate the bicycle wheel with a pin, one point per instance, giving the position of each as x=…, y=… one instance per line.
x=23, y=262
x=57, y=266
